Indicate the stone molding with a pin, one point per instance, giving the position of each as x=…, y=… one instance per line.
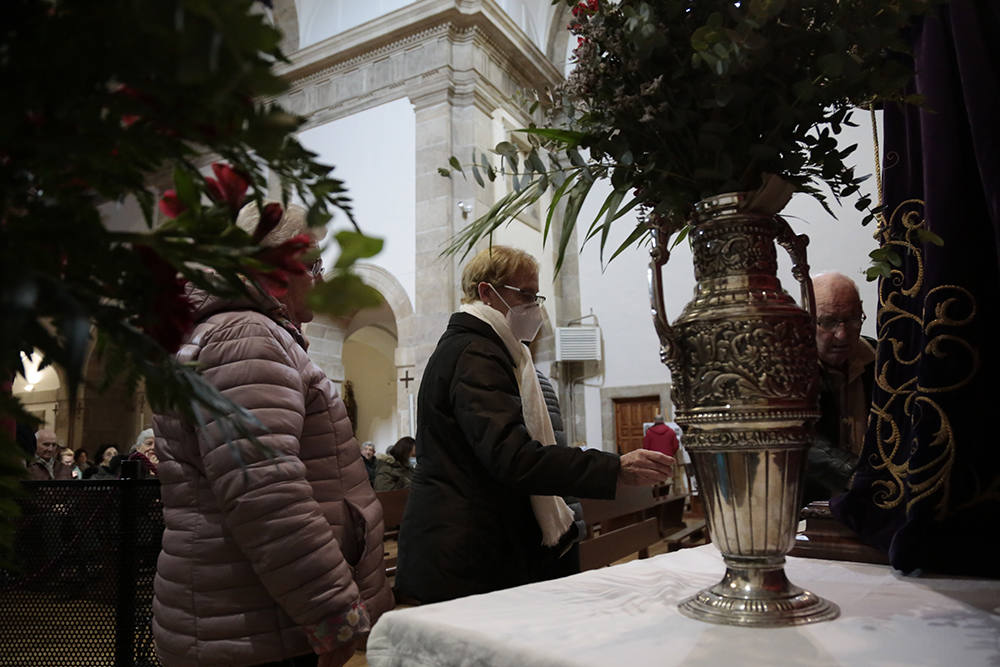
x=463, y=48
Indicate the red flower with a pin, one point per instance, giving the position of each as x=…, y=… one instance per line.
x=229, y=189
x=269, y=219
x=286, y=259
x=169, y=316
x=171, y=205
x=287, y=255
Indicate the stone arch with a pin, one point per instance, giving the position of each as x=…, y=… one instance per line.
x=395, y=317
x=557, y=45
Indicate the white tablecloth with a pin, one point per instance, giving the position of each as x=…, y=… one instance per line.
x=626, y=616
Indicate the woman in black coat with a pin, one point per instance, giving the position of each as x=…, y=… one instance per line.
x=484, y=495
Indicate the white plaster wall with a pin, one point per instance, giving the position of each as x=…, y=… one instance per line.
x=374, y=152
x=619, y=295
x=319, y=19
x=368, y=364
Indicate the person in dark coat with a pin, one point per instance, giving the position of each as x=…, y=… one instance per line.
x=394, y=470
x=847, y=373
x=484, y=499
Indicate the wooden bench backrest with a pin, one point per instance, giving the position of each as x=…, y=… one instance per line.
x=637, y=518
x=393, y=504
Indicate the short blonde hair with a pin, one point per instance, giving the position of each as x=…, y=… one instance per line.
x=293, y=223
x=495, y=265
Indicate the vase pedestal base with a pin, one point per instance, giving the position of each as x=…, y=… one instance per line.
x=756, y=593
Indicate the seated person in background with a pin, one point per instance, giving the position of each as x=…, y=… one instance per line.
x=106, y=464
x=368, y=457
x=143, y=451
x=484, y=499
x=660, y=437
x=46, y=464
x=395, y=468
x=67, y=459
x=847, y=371
x=81, y=462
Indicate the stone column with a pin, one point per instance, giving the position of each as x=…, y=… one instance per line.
x=326, y=347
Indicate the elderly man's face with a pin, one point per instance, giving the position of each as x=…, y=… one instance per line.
x=46, y=444
x=838, y=320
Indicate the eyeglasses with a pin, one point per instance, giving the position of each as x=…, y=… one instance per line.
x=316, y=268
x=831, y=323
x=527, y=294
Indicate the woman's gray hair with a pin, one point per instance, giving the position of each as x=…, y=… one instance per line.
x=293, y=223
x=145, y=433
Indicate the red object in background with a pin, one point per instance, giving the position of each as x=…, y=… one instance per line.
x=661, y=438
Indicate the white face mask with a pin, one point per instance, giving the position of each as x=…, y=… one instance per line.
x=524, y=319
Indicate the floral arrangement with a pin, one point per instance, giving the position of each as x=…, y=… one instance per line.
x=676, y=100
x=106, y=101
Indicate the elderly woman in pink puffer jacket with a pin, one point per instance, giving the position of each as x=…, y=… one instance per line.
x=274, y=556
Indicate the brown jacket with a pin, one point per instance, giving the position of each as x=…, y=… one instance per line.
x=38, y=471
x=266, y=555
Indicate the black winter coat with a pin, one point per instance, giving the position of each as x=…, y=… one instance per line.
x=468, y=526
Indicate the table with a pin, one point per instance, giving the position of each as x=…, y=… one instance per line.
x=626, y=616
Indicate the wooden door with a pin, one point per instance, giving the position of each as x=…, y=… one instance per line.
x=630, y=414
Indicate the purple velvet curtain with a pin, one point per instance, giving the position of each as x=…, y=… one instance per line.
x=927, y=490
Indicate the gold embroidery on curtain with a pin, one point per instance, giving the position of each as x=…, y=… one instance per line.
x=944, y=309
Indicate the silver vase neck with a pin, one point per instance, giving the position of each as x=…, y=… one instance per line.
x=727, y=203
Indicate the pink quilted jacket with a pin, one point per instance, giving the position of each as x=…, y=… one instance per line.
x=266, y=554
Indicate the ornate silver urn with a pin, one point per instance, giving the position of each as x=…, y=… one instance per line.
x=742, y=357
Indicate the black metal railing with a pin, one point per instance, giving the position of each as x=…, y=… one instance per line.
x=79, y=590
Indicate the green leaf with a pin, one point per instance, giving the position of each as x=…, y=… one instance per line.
x=506, y=149
x=455, y=164
x=831, y=64
x=186, y=190
x=444, y=172
x=355, y=246
x=484, y=161
x=637, y=233
x=478, y=176
x=343, y=294
x=927, y=236
x=535, y=162
x=568, y=138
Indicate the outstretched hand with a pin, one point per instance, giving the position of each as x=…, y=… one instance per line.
x=643, y=467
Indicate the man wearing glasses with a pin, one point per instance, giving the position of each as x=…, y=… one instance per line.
x=847, y=371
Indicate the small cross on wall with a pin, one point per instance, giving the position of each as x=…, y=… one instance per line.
x=406, y=379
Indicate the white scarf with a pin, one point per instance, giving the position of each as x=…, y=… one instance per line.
x=551, y=512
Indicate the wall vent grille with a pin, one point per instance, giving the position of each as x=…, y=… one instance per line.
x=578, y=344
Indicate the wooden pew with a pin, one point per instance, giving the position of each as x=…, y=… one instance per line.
x=393, y=504
x=637, y=518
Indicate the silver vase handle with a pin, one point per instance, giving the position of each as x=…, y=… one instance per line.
x=660, y=253
x=795, y=245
